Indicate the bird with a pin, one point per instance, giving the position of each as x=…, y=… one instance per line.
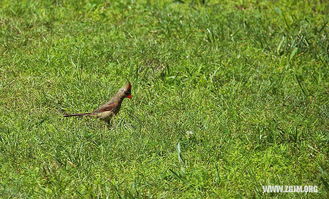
x=106, y=111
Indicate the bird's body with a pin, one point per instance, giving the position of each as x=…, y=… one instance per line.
x=111, y=108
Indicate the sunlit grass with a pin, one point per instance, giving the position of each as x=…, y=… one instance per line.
x=227, y=97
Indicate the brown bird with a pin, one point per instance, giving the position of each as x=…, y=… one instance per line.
x=111, y=108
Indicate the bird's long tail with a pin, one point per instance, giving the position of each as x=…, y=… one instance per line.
x=77, y=114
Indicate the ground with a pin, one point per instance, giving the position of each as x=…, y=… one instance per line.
x=227, y=96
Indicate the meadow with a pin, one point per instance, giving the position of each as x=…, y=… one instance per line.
x=227, y=96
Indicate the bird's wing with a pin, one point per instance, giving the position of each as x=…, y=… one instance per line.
x=106, y=107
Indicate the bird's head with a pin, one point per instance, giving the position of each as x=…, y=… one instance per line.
x=125, y=91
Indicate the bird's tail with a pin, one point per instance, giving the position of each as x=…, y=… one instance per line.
x=77, y=114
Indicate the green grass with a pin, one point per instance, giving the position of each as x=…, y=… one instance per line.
x=249, y=79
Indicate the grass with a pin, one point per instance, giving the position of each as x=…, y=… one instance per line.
x=228, y=96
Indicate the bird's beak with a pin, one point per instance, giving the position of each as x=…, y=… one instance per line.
x=129, y=96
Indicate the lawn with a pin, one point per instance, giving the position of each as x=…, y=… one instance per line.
x=227, y=96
